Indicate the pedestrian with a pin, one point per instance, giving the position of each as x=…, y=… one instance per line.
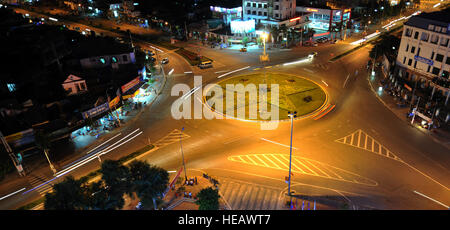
x=185, y=194
x=187, y=182
x=303, y=205
x=196, y=180
x=190, y=195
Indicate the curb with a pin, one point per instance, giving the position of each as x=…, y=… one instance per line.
x=409, y=124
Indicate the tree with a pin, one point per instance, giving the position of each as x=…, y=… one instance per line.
x=67, y=195
x=208, y=199
x=116, y=183
x=148, y=181
x=275, y=33
x=98, y=197
x=42, y=141
x=245, y=41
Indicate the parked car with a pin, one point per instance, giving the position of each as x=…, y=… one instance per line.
x=165, y=61
x=205, y=64
x=243, y=49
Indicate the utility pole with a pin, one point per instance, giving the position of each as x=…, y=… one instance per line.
x=182, y=155
x=14, y=159
x=292, y=116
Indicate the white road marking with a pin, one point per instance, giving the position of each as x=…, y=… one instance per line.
x=309, y=70
x=222, y=71
x=12, y=193
x=431, y=199
x=325, y=83
x=188, y=72
x=171, y=71
x=345, y=82
x=287, y=146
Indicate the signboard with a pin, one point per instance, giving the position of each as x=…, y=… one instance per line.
x=239, y=27
x=424, y=60
x=96, y=111
x=423, y=116
x=130, y=85
x=114, y=102
x=173, y=181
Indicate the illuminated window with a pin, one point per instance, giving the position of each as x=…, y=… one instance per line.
x=102, y=60
x=114, y=59
x=11, y=87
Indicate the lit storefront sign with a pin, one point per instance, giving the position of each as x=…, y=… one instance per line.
x=114, y=102
x=295, y=19
x=96, y=111
x=130, y=85
x=239, y=27
x=312, y=10
x=236, y=10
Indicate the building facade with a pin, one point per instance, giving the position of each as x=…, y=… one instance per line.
x=268, y=10
x=423, y=55
x=323, y=19
x=424, y=48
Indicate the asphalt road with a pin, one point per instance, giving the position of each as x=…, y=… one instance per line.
x=360, y=151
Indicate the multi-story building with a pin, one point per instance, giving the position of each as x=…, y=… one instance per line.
x=268, y=10
x=424, y=53
x=424, y=48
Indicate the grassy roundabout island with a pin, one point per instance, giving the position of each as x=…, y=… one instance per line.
x=295, y=94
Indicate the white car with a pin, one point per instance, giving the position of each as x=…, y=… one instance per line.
x=312, y=55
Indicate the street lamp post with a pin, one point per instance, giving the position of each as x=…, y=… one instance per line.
x=292, y=115
x=264, y=58
x=182, y=155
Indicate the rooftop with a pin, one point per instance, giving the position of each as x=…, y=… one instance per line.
x=439, y=18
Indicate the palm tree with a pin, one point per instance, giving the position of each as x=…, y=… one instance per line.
x=42, y=141
x=148, y=181
x=67, y=195
x=116, y=183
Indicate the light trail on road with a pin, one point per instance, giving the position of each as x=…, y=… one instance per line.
x=85, y=161
x=446, y=206
x=11, y=194
x=87, y=154
x=234, y=71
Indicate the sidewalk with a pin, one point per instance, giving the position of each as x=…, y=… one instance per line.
x=438, y=135
x=37, y=164
x=175, y=199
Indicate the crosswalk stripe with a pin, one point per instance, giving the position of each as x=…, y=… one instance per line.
x=305, y=166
